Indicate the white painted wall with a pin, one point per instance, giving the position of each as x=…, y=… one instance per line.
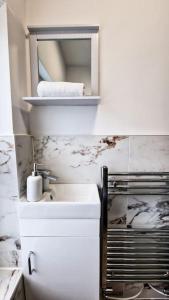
x=134, y=63
x=5, y=95
x=17, y=59
x=13, y=82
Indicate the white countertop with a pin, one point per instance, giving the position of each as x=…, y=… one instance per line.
x=63, y=201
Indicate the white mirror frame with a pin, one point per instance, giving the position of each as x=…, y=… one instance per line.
x=42, y=33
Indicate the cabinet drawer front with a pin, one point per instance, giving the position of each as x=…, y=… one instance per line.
x=59, y=227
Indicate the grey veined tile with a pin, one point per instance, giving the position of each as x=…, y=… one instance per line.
x=24, y=157
x=78, y=159
x=9, y=231
x=117, y=211
x=148, y=211
x=149, y=153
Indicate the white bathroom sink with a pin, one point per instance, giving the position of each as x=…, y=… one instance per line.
x=64, y=201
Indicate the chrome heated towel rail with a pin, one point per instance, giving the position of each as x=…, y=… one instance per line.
x=133, y=255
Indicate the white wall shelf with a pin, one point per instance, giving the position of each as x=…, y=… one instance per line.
x=63, y=101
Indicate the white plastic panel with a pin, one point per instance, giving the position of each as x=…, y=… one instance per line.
x=52, y=227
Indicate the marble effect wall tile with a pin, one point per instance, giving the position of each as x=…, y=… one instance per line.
x=24, y=158
x=148, y=211
x=148, y=153
x=117, y=211
x=78, y=159
x=10, y=249
x=9, y=231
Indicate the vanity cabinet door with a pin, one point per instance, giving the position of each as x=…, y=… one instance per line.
x=66, y=268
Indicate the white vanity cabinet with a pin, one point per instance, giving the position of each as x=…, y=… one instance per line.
x=60, y=256
x=66, y=267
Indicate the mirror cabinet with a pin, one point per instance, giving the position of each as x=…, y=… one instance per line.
x=65, y=54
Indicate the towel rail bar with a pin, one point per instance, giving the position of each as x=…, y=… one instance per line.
x=136, y=265
x=138, y=173
x=139, y=193
x=164, y=180
x=133, y=254
x=138, y=230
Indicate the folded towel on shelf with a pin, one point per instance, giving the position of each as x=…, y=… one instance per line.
x=60, y=89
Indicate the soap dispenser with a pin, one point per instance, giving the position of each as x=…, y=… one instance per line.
x=34, y=185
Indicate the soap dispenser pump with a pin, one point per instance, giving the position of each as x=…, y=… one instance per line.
x=34, y=185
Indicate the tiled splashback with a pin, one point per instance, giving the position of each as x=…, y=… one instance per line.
x=15, y=163
x=24, y=160
x=148, y=153
x=9, y=231
x=79, y=159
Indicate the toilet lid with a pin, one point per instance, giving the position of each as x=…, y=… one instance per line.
x=125, y=291
x=161, y=288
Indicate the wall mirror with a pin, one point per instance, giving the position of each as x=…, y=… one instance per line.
x=65, y=54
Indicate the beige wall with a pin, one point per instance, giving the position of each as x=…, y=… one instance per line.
x=6, y=126
x=17, y=60
x=14, y=113
x=18, y=9
x=80, y=74
x=134, y=62
x=51, y=57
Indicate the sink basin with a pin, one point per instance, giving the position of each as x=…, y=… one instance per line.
x=64, y=201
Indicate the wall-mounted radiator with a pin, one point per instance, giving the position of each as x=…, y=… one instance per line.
x=133, y=255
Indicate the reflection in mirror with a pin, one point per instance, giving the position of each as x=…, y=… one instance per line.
x=67, y=60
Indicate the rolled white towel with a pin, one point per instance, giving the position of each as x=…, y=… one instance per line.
x=60, y=89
